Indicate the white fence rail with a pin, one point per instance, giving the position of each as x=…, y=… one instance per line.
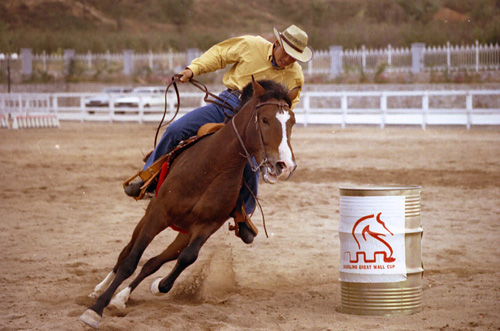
x=421, y=108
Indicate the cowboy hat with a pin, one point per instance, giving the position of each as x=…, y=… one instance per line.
x=294, y=41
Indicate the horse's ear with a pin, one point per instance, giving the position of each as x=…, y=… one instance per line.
x=258, y=90
x=293, y=93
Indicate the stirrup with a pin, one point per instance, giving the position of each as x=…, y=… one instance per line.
x=147, y=176
x=241, y=216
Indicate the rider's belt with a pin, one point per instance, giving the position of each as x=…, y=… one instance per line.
x=237, y=93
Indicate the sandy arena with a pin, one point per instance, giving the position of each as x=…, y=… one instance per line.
x=65, y=218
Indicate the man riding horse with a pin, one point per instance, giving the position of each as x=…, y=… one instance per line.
x=249, y=56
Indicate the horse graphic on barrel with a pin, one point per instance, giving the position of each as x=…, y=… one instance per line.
x=365, y=222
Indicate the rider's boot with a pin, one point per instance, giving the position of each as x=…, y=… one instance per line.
x=245, y=233
x=134, y=189
x=243, y=226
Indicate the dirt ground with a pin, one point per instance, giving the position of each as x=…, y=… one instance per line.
x=65, y=218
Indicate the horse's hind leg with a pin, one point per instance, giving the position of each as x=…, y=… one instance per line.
x=102, y=286
x=187, y=257
x=153, y=264
x=93, y=314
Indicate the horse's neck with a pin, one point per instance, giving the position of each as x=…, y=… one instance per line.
x=223, y=150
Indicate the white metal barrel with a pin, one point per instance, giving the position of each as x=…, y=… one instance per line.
x=380, y=235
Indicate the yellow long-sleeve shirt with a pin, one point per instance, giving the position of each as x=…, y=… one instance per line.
x=249, y=55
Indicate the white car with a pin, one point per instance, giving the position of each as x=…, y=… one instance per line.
x=102, y=99
x=150, y=96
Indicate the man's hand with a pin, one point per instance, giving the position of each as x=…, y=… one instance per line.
x=186, y=75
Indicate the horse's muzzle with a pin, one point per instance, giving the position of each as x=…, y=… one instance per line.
x=271, y=172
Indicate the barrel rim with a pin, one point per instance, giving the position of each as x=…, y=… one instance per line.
x=381, y=188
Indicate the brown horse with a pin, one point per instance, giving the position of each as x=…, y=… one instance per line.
x=201, y=191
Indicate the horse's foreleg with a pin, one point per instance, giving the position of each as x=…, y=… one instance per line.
x=187, y=257
x=102, y=286
x=155, y=263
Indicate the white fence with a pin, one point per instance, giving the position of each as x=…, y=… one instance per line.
x=422, y=108
x=449, y=57
x=475, y=57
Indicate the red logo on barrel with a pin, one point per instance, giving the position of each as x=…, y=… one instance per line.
x=371, y=225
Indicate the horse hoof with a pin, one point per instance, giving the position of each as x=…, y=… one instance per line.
x=155, y=287
x=120, y=299
x=91, y=318
x=117, y=303
x=94, y=295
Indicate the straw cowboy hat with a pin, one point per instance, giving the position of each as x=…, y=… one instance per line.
x=294, y=41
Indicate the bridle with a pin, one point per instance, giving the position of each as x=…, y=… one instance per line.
x=282, y=106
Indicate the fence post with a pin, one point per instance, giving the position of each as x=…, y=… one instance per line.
x=128, y=62
x=20, y=100
x=170, y=59
x=111, y=106
x=448, y=56
x=383, y=108
x=150, y=59
x=141, y=109
x=82, y=109
x=55, y=104
x=417, y=57
x=69, y=54
x=307, y=106
x=468, y=103
x=335, y=61
x=425, y=109
x=389, y=55
x=363, y=57
x=26, y=61
x=44, y=61
x=477, y=56
x=192, y=53
x=343, y=106
x=89, y=60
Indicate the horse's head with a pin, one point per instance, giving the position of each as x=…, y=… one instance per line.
x=273, y=121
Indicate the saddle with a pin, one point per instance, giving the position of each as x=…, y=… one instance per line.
x=154, y=175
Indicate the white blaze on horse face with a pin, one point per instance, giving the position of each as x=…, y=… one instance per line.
x=285, y=153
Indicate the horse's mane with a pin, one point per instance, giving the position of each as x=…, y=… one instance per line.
x=273, y=91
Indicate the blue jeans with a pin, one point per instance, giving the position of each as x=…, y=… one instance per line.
x=188, y=125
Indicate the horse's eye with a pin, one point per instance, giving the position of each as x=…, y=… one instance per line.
x=265, y=120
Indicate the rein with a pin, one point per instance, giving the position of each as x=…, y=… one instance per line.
x=173, y=82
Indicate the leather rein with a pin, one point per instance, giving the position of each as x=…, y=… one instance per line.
x=173, y=82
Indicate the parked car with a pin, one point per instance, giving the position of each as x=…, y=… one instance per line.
x=151, y=97
x=102, y=99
